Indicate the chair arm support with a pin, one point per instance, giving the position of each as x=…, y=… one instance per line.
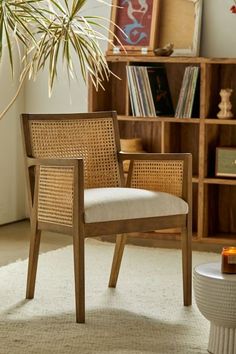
x=151, y=162
x=56, y=190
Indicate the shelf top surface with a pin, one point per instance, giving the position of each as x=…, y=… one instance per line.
x=158, y=119
x=209, y=121
x=174, y=59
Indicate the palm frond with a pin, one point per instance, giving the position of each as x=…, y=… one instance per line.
x=55, y=30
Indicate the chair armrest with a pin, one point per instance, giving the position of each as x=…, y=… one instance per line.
x=56, y=191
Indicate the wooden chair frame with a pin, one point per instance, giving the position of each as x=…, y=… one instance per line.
x=80, y=230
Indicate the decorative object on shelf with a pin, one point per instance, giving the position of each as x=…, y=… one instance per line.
x=166, y=51
x=134, y=23
x=134, y=145
x=184, y=29
x=131, y=145
x=228, y=260
x=145, y=25
x=225, y=104
x=225, y=162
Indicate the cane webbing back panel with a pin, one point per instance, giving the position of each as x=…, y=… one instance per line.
x=91, y=139
x=163, y=176
x=55, y=197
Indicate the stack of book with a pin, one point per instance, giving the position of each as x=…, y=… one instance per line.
x=149, y=91
x=185, y=103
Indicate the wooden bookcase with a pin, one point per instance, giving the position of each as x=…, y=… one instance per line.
x=214, y=199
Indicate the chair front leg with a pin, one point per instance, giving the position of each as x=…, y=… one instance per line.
x=33, y=261
x=186, y=240
x=117, y=257
x=78, y=249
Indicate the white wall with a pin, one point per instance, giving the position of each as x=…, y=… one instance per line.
x=65, y=98
x=218, y=29
x=218, y=40
x=12, y=197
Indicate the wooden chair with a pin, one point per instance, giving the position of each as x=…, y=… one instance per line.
x=76, y=186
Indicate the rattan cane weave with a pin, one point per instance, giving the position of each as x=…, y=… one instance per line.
x=55, y=196
x=164, y=176
x=91, y=139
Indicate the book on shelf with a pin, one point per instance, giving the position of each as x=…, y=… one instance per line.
x=145, y=110
x=149, y=91
x=132, y=92
x=160, y=90
x=189, y=93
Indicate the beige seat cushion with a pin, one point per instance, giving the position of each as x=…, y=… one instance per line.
x=107, y=204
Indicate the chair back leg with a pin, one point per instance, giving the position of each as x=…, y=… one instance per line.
x=78, y=249
x=117, y=258
x=33, y=261
x=186, y=240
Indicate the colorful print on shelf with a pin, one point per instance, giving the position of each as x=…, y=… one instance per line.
x=135, y=22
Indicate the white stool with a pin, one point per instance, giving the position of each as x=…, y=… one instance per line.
x=215, y=295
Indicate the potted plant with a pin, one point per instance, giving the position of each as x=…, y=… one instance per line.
x=38, y=34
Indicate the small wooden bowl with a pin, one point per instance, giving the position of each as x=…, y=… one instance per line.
x=130, y=145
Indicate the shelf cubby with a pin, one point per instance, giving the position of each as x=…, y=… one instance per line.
x=217, y=135
x=219, y=76
x=220, y=211
x=183, y=138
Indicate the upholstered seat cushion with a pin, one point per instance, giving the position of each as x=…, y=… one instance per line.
x=107, y=204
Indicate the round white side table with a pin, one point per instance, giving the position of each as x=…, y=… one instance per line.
x=215, y=295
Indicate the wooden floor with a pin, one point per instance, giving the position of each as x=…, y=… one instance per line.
x=14, y=242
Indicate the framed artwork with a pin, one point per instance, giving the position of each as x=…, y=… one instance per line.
x=180, y=24
x=134, y=23
x=225, y=162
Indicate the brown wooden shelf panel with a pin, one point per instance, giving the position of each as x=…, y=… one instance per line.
x=159, y=119
x=225, y=181
x=220, y=121
x=177, y=59
x=221, y=238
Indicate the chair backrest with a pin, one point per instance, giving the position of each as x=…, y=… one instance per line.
x=91, y=136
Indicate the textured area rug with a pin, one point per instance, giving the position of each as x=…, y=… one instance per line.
x=144, y=314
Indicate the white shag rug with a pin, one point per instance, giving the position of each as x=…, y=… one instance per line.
x=143, y=315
